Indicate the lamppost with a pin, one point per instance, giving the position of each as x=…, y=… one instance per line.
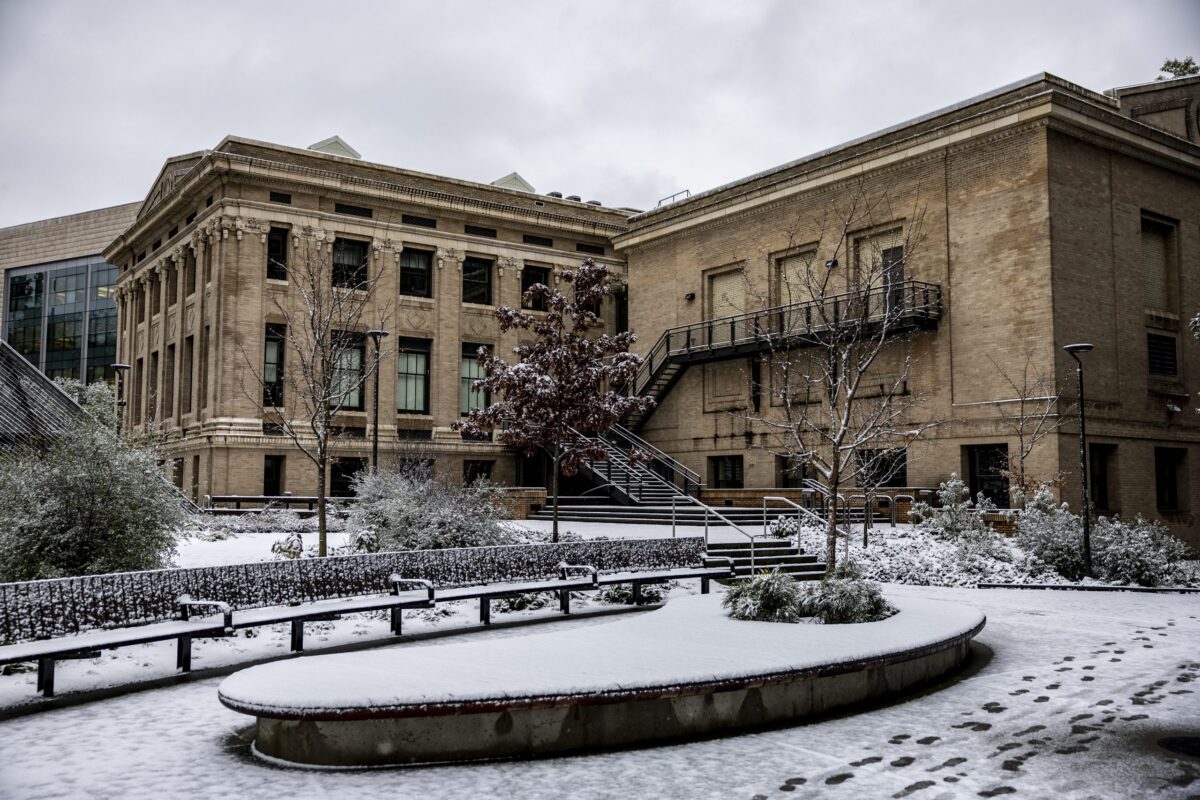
x=375, y=335
x=1074, y=350
x=120, y=369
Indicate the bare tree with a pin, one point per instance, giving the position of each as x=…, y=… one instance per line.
x=837, y=340
x=322, y=361
x=1032, y=413
x=568, y=382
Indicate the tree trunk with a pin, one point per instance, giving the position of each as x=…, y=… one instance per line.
x=321, y=526
x=831, y=527
x=554, y=490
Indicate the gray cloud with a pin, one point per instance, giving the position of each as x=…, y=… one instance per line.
x=625, y=102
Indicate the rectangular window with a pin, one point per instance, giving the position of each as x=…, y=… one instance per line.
x=476, y=471
x=185, y=375
x=196, y=478
x=424, y=222
x=987, y=472
x=1102, y=460
x=204, y=345
x=594, y=249
x=470, y=399
x=883, y=468
x=725, y=472
x=189, y=272
x=540, y=241
x=412, y=376
x=531, y=276
x=790, y=472
x=1157, y=241
x=341, y=476
x=273, y=355
x=416, y=273
x=139, y=378
x=354, y=211
x=477, y=281
x=281, y=197
x=169, y=383
x=190, y=218
x=273, y=475
x=1162, y=354
x=346, y=386
x=208, y=259
x=476, y=230
x=155, y=295
x=173, y=284
x=1169, y=463
x=277, y=254
x=152, y=389
x=349, y=264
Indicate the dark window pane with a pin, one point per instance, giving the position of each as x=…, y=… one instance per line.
x=277, y=254
x=354, y=211
x=477, y=281
x=273, y=359
x=416, y=273
x=424, y=222
x=1162, y=354
x=476, y=230
x=531, y=276
x=349, y=264
x=541, y=241
x=281, y=197
x=594, y=249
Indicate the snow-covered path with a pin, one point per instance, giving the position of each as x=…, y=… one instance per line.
x=1070, y=703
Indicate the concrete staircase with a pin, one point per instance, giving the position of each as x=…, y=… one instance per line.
x=767, y=555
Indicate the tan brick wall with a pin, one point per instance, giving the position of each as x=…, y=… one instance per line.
x=226, y=428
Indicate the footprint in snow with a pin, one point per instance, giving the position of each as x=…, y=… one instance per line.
x=903, y=761
x=914, y=787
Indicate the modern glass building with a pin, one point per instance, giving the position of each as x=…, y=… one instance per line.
x=58, y=305
x=63, y=318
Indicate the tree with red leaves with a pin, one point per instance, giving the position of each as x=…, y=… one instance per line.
x=565, y=387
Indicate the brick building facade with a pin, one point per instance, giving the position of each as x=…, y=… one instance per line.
x=1049, y=215
x=211, y=246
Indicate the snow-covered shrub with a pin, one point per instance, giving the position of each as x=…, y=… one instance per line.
x=958, y=519
x=766, y=597
x=783, y=527
x=409, y=510
x=843, y=597
x=290, y=546
x=87, y=503
x=1138, y=552
x=621, y=594
x=215, y=527
x=1052, y=535
x=530, y=601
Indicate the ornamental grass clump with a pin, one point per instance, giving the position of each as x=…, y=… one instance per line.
x=767, y=597
x=844, y=597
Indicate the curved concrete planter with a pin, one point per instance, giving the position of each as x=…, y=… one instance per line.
x=667, y=704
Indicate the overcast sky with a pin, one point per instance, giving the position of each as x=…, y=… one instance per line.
x=624, y=102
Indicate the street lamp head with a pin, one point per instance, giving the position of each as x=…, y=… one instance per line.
x=120, y=367
x=377, y=334
x=1082, y=347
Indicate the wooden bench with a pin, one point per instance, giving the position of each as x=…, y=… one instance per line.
x=51, y=620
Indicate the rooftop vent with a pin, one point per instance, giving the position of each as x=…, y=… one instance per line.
x=594, y=203
x=574, y=197
x=554, y=194
x=335, y=146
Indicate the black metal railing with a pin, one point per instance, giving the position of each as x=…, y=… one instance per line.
x=901, y=305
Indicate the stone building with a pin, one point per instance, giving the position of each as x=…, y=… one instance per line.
x=206, y=262
x=1049, y=215
x=58, y=310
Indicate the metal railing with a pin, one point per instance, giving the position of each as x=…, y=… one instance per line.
x=800, y=510
x=903, y=301
x=677, y=475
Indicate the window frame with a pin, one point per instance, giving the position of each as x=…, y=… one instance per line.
x=487, y=285
x=354, y=343
x=361, y=273
x=408, y=271
x=273, y=396
x=413, y=346
x=540, y=303
x=277, y=269
x=469, y=355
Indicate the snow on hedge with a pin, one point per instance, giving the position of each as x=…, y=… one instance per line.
x=689, y=641
x=41, y=609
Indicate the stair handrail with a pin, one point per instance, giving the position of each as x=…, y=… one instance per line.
x=638, y=469
x=710, y=510
x=799, y=510
x=914, y=297
x=605, y=480
x=631, y=438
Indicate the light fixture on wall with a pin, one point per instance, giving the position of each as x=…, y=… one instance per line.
x=690, y=296
x=831, y=264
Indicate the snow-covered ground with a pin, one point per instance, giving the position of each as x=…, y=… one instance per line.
x=1067, y=698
